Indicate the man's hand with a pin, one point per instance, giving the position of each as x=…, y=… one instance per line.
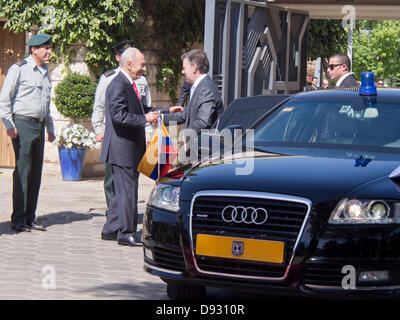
x=151, y=116
x=51, y=137
x=100, y=137
x=12, y=133
x=175, y=109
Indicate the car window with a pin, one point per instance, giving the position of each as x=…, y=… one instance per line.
x=247, y=111
x=351, y=122
x=245, y=118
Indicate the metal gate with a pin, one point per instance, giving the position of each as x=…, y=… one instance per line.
x=12, y=46
x=255, y=48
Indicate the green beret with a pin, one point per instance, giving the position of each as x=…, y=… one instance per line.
x=39, y=39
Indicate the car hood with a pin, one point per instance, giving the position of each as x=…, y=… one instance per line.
x=316, y=178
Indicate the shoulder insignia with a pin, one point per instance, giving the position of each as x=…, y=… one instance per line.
x=109, y=73
x=21, y=62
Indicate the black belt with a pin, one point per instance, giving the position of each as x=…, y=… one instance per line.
x=28, y=118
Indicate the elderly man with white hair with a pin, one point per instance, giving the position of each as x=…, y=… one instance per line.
x=124, y=145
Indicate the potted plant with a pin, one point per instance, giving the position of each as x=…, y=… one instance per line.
x=74, y=100
x=73, y=141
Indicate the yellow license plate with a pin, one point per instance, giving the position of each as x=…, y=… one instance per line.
x=240, y=248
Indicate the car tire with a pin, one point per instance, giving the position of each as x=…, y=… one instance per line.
x=179, y=291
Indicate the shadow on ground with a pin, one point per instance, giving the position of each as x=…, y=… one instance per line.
x=136, y=291
x=51, y=219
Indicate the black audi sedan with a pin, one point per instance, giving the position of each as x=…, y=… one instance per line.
x=311, y=208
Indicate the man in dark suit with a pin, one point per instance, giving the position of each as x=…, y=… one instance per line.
x=205, y=104
x=184, y=93
x=339, y=69
x=124, y=145
x=314, y=84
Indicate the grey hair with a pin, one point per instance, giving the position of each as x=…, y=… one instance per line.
x=130, y=54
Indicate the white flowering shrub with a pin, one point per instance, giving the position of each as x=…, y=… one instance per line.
x=76, y=136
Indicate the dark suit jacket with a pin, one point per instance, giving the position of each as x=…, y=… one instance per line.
x=349, y=81
x=203, y=109
x=184, y=94
x=124, y=140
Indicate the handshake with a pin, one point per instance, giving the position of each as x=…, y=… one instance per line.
x=153, y=116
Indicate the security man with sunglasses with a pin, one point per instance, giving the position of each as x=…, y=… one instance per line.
x=339, y=69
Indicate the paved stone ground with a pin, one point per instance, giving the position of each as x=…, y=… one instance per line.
x=69, y=260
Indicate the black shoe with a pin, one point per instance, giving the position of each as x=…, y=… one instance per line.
x=35, y=226
x=131, y=241
x=20, y=227
x=109, y=236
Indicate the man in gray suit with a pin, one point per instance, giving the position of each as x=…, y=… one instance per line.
x=205, y=104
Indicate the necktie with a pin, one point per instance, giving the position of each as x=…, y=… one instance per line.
x=137, y=91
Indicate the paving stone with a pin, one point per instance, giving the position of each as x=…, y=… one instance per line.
x=85, y=266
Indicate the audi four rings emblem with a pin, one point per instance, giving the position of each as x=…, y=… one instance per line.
x=247, y=215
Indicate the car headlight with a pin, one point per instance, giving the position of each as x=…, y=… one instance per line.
x=352, y=211
x=165, y=196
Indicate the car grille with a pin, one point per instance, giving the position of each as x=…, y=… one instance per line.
x=330, y=274
x=167, y=259
x=285, y=220
x=324, y=275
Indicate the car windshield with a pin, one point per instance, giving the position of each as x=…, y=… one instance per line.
x=349, y=123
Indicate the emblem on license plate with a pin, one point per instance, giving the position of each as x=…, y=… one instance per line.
x=237, y=248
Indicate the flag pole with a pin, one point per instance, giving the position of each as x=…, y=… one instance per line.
x=159, y=143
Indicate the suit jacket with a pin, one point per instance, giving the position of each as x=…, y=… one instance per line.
x=311, y=88
x=124, y=141
x=349, y=81
x=203, y=109
x=184, y=93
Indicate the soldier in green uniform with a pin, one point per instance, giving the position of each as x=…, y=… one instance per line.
x=25, y=111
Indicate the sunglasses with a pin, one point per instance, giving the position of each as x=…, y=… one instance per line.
x=332, y=66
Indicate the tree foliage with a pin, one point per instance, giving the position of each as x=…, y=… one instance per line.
x=99, y=23
x=376, y=47
x=102, y=23
x=325, y=38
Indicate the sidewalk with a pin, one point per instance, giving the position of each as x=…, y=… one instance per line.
x=69, y=260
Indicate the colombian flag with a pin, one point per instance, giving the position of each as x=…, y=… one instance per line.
x=159, y=155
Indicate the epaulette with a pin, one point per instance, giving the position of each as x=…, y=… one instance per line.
x=109, y=73
x=21, y=62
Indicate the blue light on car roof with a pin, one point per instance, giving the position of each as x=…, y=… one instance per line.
x=367, y=87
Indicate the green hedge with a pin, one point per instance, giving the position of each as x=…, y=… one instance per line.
x=75, y=96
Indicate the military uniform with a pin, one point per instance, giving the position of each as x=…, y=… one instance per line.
x=25, y=105
x=98, y=116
